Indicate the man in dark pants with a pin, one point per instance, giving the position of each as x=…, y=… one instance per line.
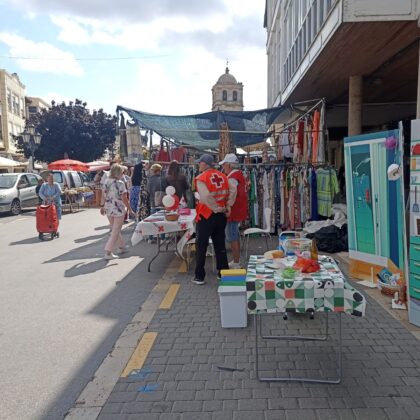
x=212, y=209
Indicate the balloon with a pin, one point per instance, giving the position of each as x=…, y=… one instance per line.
x=168, y=201
x=176, y=204
x=170, y=190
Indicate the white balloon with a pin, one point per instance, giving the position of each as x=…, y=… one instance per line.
x=168, y=201
x=170, y=190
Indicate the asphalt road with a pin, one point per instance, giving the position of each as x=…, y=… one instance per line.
x=62, y=307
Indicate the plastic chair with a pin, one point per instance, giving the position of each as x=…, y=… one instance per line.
x=258, y=231
x=189, y=245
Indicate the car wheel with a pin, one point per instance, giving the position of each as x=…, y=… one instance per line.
x=15, y=208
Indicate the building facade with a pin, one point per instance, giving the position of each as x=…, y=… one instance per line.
x=361, y=56
x=227, y=93
x=35, y=105
x=12, y=111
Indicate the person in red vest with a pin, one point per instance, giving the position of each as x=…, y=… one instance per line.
x=239, y=210
x=215, y=201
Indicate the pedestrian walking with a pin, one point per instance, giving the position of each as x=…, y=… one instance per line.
x=115, y=204
x=136, y=179
x=239, y=210
x=215, y=201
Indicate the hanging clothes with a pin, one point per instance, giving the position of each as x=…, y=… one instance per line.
x=315, y=136
x=164, y=154
x=179, y=154
x=327, y=188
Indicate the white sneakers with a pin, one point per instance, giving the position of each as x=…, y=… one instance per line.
x=110, y=256
x=123, y=250
x=234, y=265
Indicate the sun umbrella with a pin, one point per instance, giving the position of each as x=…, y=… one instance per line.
x=68, y=164
x=98, y=165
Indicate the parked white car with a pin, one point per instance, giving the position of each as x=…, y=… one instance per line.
x=17, y=191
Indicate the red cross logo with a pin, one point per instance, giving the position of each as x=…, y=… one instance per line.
x=161, y=228
x=183, y=226
x=216, y=180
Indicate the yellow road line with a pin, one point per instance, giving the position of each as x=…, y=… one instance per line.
x=183, y=267
x=170, y=296
x=140, y=353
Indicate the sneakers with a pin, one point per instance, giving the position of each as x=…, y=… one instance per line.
x=198, y=281
x=110, y=256
x=123, y=250
x=235, y=265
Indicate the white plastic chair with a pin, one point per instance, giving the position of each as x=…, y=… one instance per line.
x=258, y=231
x=189, y=245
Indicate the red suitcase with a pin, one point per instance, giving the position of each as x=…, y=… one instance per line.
x=47, y=220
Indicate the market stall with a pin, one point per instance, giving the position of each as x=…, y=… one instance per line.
x=272, y=290
x=165, y=231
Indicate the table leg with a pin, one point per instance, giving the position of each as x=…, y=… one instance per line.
x=155, y=256
x=294, y=337
x=257, y=320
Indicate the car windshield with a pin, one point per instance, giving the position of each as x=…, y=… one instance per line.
x=7, y=180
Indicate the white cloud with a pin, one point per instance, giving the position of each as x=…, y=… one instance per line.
x=40, y=57
x=185, y=87
x=128, y=10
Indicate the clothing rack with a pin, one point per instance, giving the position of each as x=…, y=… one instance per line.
x=290, y=164
x=317, y=105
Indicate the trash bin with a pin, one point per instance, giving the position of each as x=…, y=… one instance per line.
x=233, y=307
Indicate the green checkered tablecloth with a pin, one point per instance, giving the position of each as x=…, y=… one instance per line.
x=324, y=291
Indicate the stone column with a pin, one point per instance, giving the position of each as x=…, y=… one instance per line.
x=355, y=105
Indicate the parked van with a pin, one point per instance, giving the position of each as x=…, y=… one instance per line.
x=66, y=179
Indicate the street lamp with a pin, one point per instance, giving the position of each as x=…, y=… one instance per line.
x=31, y=139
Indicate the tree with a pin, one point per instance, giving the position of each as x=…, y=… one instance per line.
x=71, y=130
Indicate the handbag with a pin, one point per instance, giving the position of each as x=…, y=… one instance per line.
x=158, y=198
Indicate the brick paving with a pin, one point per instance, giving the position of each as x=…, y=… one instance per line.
x=198, y=370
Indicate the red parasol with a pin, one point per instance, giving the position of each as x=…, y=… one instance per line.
x=98, y=165
x=68, y=164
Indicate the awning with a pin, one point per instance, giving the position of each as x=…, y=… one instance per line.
x=202, y=130
x=98, y=165
x=9, y=163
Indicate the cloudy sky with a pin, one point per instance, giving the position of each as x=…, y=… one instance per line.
x=159, y=56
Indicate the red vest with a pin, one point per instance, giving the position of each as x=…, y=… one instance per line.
x=239, y=211
x=218, y=186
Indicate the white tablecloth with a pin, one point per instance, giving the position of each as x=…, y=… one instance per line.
x=156, y=225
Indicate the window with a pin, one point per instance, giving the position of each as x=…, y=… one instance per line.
x=33, y=180
x=9, y=100
x=32, y=109
x=58, y=177
x=224, y=97
x=23, y=182
x=75, y=180
x=235, y=95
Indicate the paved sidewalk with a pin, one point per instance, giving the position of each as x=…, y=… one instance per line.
x=198, y=370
